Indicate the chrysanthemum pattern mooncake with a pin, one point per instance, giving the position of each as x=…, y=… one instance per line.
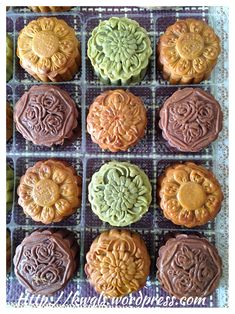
x=119, y=50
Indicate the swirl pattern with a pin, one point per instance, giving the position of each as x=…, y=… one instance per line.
x=49, y=50
x=119, y=50
x=45, y=261
x=49, y=191
x=46, y=115
x=190, y=195
x=117, y=263
x=189, y=266
x=188, y=51
x=120, y=193
x=116, y=120
x=190, y=119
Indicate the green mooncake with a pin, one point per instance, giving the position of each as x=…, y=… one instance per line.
x=120, y=193
x=9, y=187
x=119, y=50
x=9, y=61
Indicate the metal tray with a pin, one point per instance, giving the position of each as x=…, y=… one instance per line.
x=152, y=154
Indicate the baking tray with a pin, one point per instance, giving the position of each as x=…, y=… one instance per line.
x=152, y=154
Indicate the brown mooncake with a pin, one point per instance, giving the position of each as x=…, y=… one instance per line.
x=49, y=50
x=116, y=120
x=49, y=191
x=190, y=119
x=118, y=263
x=190, y=195
x=189, y=266
x=46, y=115
x=46, y=260
x=49, y=9
x=188, y=51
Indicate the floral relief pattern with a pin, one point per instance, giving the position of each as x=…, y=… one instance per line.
x=43, y=263
x=188, y=50
x=45, y=260
x=120, y=193
x=191, y=122
x=117, y=263
x=188, y=266
x=49, y=191
x=45, y=115
x=116, y=120
x=192, y=118
x=47, y=45
x=190, y=195
x=119, y=49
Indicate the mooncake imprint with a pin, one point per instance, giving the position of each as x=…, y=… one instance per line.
x=190, y=195
x=120, y=193
x=46, y=115
x=188, y=51
x=116, y=120
x=119, y=50
x=46, y=260
x=49, y=50
x=49, y=191
x=189, y=266
x=190, y=119
x=118, y=263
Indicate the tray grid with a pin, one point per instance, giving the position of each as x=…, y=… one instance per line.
x=152, y=153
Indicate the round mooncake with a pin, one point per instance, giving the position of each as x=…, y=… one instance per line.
x=116, y=120
x=118, y=263
x=49, y=50
x=119, y=50
x=50, y=191
x=120, y=193
x=188, y=51
x=190, y=195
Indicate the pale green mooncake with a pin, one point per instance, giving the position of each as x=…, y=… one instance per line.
x=9, y=60
x=119, y=50
x=120, y=193
x=9, y=187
